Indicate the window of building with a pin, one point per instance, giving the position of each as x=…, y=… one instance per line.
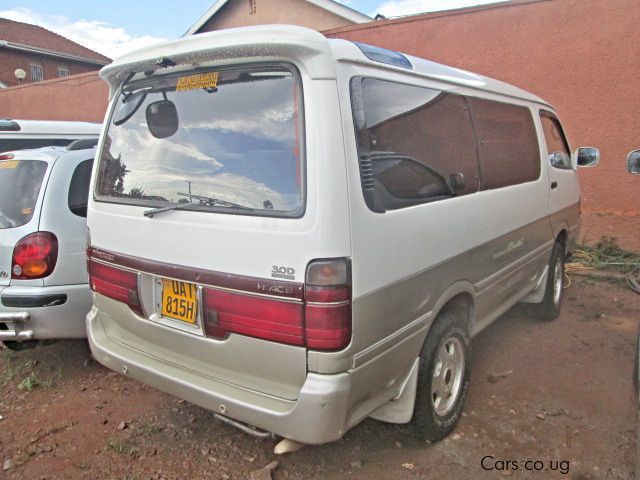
x=79, y=188
x=416, y=145
x=64, y=72
x=557, y=145
x=36, y=73
x=507, y=141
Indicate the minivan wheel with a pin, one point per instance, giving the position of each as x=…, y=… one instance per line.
x=549, y=308
x=443, y=378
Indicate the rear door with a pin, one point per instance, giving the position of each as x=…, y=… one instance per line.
x=21, y=193
x=240, y=194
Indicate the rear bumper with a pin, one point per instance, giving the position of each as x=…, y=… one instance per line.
x=43, y=312
x=319, y=415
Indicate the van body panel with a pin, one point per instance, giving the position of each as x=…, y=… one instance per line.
x=245, y=362
x=564, y=194
x=317, y=416
x=238, y=245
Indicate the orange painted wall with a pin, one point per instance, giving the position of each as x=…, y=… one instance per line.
x=82, y=97
x=583, y=56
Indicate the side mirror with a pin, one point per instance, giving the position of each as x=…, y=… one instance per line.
x=587, y=156
x=633, y=162
x=162, y=118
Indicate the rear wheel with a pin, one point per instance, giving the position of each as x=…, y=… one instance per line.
x=549, y=308
x=443, y=378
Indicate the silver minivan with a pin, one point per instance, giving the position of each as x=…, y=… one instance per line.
x=299, y=233
x=44, y=291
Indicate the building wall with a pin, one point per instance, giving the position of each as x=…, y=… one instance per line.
x=82, y=97
x=580, y=55
x=241, y=13
x=10, y=60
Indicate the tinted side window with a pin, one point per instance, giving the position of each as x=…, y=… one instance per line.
x=557, y=146
x=508, y=144
x=9, y=144
x=411, y=140
x=79, y=189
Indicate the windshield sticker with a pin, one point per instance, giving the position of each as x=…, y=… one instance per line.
x=11, y=164
x=196, y=82
x=27, y=211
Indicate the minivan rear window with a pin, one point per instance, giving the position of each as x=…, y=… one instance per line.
x=21, y=181
x=226, y=141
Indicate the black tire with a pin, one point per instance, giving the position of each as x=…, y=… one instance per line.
x=549, y=308
x=427, y=423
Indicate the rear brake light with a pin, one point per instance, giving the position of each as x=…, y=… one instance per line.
x=322, y=322
x=115, y=283
x=328, y=304
x=266, y=318
x=6, y=156
x=34, y=256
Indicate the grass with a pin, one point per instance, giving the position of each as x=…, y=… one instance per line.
x=29, y=383
x=148, y=428
x=606, y=255
x=121, y=445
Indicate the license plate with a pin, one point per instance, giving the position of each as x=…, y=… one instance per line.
x=179, y=300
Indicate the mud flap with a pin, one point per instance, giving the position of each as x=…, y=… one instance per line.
x=400, y=408
x=537, y=294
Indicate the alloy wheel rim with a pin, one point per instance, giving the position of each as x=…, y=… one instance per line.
x=448, y=370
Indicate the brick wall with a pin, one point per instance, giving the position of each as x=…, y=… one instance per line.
x=82, y=97
x=10, y=60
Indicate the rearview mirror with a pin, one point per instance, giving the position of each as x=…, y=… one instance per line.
x=633, y=162
x=587, y=156
x=162, y=118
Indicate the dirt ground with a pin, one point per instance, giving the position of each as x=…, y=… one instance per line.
x=568, y=404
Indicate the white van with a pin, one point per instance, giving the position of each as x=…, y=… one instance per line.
x=299, y=233
x=22, y=134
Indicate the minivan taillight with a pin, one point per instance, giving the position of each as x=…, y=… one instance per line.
x=34, y=256
x=327, y=309
x=321, y=322
x=115, y=283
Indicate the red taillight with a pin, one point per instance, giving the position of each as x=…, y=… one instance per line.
x=34, y=256
x=115, y=283
x=6, y=156
x=321, y=322
x=276, y=320
x=327, y=317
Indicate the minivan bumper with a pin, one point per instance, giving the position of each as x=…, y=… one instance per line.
x=43, y=312
x=319, y=415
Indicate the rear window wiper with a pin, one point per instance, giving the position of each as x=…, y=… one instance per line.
x=211, y=202
x=175, y=206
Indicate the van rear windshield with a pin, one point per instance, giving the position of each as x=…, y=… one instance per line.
x=226, y=141
x=21, y=181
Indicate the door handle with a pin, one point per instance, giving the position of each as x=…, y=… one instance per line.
x=554, y=185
